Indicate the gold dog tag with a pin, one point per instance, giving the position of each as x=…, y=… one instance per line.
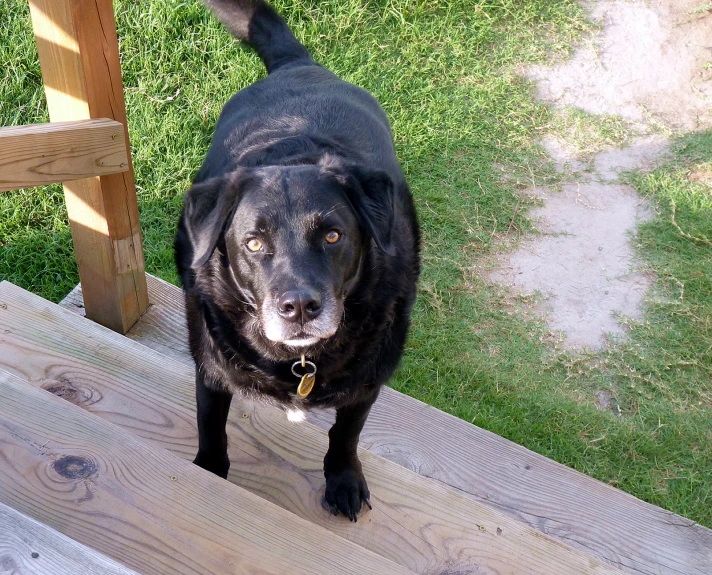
x=306, y=384
x=306, y=381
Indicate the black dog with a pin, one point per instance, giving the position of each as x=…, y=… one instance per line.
x=298, y=240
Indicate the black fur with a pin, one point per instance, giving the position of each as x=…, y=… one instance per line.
x=296, y=156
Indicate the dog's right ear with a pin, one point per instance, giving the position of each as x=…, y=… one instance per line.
x=208, y=207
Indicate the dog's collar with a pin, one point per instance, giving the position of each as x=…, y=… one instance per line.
x=306, y=383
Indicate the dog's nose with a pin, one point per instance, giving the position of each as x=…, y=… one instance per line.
x=299, y=305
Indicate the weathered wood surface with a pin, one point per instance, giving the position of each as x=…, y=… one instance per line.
x=147, y=508
x=41, y=154
x=423, y=525
x=162, y=326
x=573, y=508
x=78, y=50
x=27, y=546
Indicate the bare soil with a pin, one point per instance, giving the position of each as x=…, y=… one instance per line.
x=652, y=65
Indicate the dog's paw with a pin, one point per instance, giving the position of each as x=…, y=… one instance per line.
x=345, y=492
x=217, y=465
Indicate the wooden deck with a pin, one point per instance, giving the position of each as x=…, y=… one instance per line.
x=108, y=477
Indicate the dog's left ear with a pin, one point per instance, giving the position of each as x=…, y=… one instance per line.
x=208, y=206
x=372, y=194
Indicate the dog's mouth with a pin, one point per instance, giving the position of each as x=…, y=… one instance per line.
x=301, y=341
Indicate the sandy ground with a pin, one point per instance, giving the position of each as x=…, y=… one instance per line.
x=652, y=65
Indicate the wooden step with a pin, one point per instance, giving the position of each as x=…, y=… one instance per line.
x=147, y=508
x=569, y=506
x=423, y=525
x=28, y=546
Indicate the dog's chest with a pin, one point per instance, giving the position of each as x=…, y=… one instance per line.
x=282, y=386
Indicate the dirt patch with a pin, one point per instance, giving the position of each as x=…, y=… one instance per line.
x=651, y=62
x=701, y=175
x=606, y=401
x=583, y=262
x=651, y=65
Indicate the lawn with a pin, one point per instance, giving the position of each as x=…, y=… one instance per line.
x=466, y=126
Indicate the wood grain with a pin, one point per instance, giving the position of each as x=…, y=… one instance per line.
x=147, y=508
x=423, y=525
x=556, y=500
x=162, y=326
x=78, y=50
x=28, y=546
x=41, y=154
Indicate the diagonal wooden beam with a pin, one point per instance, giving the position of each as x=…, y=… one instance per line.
x=29, y=546
x=78, y=49
x=40, y=154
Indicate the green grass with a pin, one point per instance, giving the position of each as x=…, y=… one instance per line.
x=465, y=126
x=587, y=134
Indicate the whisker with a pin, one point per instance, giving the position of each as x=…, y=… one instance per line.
x=332, y=210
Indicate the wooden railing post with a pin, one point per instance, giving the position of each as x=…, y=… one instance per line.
x=79, y=56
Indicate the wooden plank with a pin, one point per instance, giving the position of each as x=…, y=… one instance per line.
x=78, y=49
x=420, y=524
x=573, y=508
x=147, y=508
x=41, y=154
x=28, y=546
x=162, y=326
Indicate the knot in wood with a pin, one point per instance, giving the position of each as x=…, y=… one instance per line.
x=7, y=564
x=75, y=467
x=72, y=393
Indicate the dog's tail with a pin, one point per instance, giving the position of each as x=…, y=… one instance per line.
x=258, y=24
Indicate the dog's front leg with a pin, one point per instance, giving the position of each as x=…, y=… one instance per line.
x=213, y=408
x=346, y=486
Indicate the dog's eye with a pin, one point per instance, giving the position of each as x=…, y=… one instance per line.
x=333, y=236
x=254, y=245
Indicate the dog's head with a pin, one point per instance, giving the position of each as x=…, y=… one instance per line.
x=294, y=241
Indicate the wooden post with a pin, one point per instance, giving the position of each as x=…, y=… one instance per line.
x=79, y=56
